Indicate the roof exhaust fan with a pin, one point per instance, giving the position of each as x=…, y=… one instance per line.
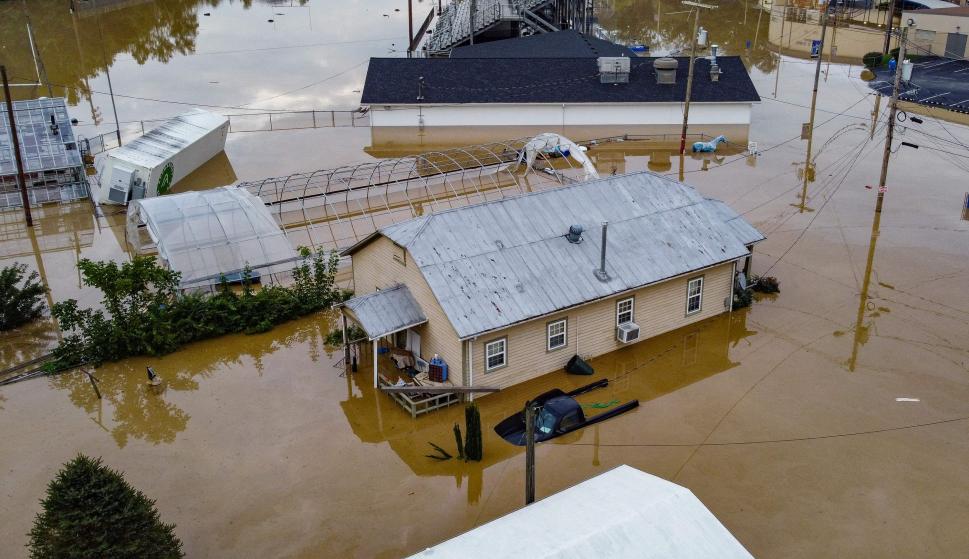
x=575, y=234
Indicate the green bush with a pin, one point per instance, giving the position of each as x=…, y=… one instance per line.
x=144, y=313
x=893, y=53
x=90, y=511
x=872, y=59
x=19, y=305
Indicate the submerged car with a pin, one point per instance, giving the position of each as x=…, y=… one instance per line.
x=558, y=413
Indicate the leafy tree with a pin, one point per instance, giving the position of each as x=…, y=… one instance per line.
x=19, y=305
x=90, y=511
x=146, y=314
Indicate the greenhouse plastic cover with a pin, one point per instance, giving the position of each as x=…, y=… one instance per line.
x=204, y=234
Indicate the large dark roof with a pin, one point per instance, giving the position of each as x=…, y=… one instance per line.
x=561, y=44
x=393, y=81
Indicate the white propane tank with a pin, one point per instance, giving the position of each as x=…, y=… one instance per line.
x=906, y=70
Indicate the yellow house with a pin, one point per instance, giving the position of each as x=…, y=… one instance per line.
x=508, y=290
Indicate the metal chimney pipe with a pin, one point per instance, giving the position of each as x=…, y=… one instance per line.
x=601, y=272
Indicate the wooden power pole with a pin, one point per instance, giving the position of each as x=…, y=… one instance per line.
x=808, y=167
x=689, y=77
x=15, y=140
x=530, y=409
x=892, y=110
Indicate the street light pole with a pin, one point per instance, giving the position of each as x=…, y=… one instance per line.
x=21, y=178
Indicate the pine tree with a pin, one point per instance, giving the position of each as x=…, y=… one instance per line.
x=90, y=511
x=19, y=305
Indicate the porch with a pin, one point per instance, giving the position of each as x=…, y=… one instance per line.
x=391, y=321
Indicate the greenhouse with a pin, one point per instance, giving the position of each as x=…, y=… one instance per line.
x=205, y=235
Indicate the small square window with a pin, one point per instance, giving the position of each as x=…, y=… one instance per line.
x=496, y=354
x=694, y=295
x=556, y=334
x=624, y=311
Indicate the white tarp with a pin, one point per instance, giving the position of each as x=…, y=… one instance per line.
x=550, y=143
x=623, y=513
x=203, y=234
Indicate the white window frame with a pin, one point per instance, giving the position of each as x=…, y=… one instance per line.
x=564, y=322
x=690, y=295
x=631, y=311
x=503, y=353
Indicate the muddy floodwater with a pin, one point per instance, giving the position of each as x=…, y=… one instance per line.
x=830, y=420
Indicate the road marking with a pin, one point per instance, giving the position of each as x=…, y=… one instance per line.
x=934, y=96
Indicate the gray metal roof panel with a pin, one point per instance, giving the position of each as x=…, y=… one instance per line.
x=499, y=263
x=386, y=311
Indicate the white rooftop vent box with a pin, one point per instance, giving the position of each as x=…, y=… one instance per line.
x=613, y=69
x=627, y=332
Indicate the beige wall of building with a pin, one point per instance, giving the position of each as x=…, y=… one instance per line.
x=382, y=264
x=931, y=31
x=592, y=327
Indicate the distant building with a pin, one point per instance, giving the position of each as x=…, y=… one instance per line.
x=52, y=160
x=941, y=32
x=623, y=513
x=510, y=290
x=562, y=82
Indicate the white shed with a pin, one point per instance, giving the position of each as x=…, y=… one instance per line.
x=623, y=513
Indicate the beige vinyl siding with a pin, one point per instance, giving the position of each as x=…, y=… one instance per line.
x=592, y=328
x=375, y=266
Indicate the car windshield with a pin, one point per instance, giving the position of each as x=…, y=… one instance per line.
x=545, y=421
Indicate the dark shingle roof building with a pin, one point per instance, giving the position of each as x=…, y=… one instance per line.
x=397, y=81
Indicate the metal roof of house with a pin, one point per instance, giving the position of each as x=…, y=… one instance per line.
x=160, y=143
x=42, y=149
x=498, y=263
x=623, y=513
x=386, y=311
x=396, y=81
x=560, y=44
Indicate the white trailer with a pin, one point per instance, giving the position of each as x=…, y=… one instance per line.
x=154, y=163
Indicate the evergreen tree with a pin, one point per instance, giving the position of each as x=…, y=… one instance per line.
x=19, y=305
x=90, y=511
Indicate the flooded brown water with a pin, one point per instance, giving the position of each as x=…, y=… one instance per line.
x=783, y=418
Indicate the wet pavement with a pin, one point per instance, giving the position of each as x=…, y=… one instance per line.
x=792, y=421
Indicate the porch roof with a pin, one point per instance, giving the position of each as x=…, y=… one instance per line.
x=386, y=311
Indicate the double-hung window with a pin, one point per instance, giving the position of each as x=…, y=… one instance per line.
x=694, y=295
x=624, y=311
x=556, y=334
x=496, y=354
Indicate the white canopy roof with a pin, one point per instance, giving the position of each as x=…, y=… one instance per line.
x=204, y=234
x=623, y=513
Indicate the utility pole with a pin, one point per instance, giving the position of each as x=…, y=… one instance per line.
x=107, y=72
x=892, y=110
x=410, y=27
x=814, y=103
x=888, y=26
x=530, y=409
x=689, y=77
x=16, y=148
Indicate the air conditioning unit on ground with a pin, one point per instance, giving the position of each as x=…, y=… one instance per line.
x=627, y=332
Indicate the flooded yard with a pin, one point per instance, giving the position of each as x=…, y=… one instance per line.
x=829, y=420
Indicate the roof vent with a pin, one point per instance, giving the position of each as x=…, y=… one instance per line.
x=575, y=234
x=613, y=69
x=666, y=70
x=715, y=72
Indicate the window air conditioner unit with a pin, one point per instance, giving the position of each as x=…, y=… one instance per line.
x=627, y=332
